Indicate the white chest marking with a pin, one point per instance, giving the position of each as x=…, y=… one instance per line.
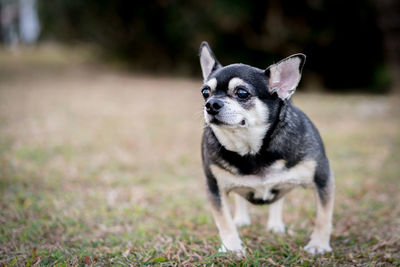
x=275, y=176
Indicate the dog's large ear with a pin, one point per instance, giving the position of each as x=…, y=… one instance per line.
x=208, y=61
x=284, y=76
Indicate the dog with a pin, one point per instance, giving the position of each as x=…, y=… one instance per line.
x=259, y=146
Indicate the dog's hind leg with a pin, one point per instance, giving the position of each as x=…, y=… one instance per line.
x=320, y=237
x=275, y=221
x=241, y=217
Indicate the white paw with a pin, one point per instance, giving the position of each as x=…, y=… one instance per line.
x=241, y=253
x=315, y=248
x=222, y=249
x=277, y=228
x=242, y=221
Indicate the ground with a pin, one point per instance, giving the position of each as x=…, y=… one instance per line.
x=102, y=167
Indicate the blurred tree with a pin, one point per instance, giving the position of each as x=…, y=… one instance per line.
x=389, y=22
x=341, y=38
x=18, y=22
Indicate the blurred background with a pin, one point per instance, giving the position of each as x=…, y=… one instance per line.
x=349, y=45
x=101, y=122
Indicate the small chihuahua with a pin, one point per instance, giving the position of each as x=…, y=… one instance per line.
x=257, y=144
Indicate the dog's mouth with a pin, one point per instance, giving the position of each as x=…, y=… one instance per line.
x=218, y=122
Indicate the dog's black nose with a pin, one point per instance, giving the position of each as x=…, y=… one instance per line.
x=213, y=106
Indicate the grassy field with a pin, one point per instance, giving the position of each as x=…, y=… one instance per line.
x=102, y=167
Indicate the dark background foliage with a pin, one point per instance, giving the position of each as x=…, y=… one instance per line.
x=343, y=40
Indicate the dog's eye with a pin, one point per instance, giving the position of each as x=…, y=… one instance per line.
x=242, y=94
x=206, y=93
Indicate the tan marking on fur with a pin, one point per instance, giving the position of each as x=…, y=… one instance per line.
x=277, y=175
x=212, y=83
x=234, y=83
x=320, y=237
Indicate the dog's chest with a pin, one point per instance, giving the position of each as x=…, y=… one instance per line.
x=275, y=179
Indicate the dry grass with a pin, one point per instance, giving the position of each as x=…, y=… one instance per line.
x=99, y=167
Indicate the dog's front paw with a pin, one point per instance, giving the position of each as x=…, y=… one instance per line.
x=315, y=248
x=240, y=252
x=242, y=221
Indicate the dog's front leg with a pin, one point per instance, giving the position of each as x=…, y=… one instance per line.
x=227, y=230
x=223, y=219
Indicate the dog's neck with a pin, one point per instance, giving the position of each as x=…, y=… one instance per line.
x=242, y=140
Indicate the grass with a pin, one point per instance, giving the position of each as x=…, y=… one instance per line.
x=99, y=167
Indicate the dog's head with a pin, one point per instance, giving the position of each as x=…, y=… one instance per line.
x=239, y=95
